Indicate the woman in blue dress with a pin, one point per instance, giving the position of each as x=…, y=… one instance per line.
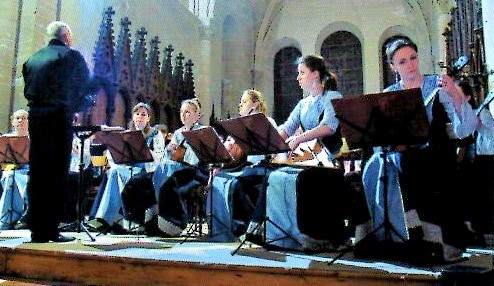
x=178, y=156
x=312, y=118
x=109, y=209
x=240, y=195
x=421, y=179
x=13, y=201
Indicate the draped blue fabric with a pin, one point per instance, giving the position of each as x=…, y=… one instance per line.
x=14, y=201
x=224, y=186
x=281, y=202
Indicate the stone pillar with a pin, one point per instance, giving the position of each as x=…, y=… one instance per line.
x=488, y=23
x=440, y=20
x=371, y=67
x=205, y=89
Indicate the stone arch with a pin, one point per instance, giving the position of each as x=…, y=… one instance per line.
x=336, y=27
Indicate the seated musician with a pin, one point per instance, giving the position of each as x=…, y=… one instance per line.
x=249, y=204
x=178, y=155
x=175, y=193
x=422, y=192
x=13, y=201
x=314, y=114
x=109, y=207
x=483, y=166
x=252, y=101
x=178, y=149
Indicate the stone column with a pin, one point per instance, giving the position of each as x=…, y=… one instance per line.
x=371, y=67
x=206, y=91
x=440, y=20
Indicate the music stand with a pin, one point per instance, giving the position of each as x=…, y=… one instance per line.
x=208, y=147
x=83, y=133
x=386, y=120
x=257, y=136
x=127, y=147
x=13, y=150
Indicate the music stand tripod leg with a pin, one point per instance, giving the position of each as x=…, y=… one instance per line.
x=79, y=223
x=386, y=225
x=263, y=223
x=210, y=218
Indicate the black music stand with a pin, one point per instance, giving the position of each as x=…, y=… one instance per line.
x=13, y=150
x=387, y=120
x=257, y=136
x=210, y=150
x=83, y=133
x=127, y=148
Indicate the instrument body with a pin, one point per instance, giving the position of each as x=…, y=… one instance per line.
x=178, y=153
x=310, y=153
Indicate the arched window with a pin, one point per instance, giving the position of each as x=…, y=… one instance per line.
x=286, y=89
x=343, y=53
x=389, y=77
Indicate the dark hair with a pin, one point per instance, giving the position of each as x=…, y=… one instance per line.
x=394, y=46
x=316, y=63
x=149, y=110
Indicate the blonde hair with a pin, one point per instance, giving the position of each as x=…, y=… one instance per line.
x=256, y=96
x=190, y=102
x=18, y=112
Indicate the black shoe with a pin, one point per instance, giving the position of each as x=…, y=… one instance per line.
x=118, y=229
x=255, y=238
x=62, y=238
x=151, y=227
x=39, y=239
x=47, y=238
x=20, y=225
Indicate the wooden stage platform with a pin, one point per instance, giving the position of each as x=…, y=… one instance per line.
x=138, y=260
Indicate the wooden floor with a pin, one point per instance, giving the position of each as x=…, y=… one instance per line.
x=138, y=261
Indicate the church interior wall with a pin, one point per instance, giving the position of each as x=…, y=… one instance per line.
x=225, y=67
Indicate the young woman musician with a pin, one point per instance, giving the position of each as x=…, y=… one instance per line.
x=178, y=149
x=175, y=193
x=178, y=155
x=111, y=202
x=14, y=201
x=314, y=114
x=241, y=193
x=421, y=185
x=251, y=102
x=483, y=167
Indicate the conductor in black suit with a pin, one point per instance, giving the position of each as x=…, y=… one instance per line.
x=54, y=80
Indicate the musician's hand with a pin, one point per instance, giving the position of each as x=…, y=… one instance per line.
x=293, y=141
x=447, y=84
x=171, y=146
x=216, y=171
